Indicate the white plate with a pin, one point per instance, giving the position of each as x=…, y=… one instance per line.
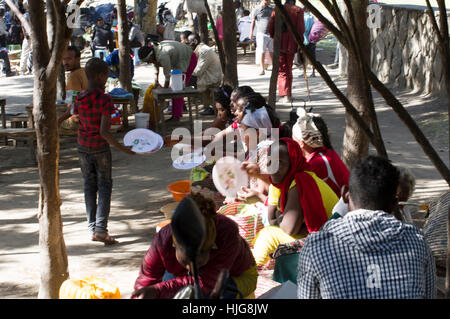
x=142, y=140
x=228, y=176
x=189, y=161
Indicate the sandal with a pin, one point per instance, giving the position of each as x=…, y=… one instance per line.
x=104, y=238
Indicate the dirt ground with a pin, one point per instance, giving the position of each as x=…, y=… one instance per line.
x=140, y=181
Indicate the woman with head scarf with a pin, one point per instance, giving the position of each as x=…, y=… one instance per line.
x=304, y=201
x=165, y=268
x=311, y=133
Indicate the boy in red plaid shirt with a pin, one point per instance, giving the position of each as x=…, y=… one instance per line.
x=94, y=109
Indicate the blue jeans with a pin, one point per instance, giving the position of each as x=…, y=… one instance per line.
x=96, y=170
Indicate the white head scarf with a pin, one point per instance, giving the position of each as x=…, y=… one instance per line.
x=257, y=119
x=305, y=130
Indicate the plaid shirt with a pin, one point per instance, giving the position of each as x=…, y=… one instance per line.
x=366, y=254
x=90, y=106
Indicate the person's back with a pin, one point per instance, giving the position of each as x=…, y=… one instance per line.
x=244, y=25
x=208, y=69
x=173, y=54
x=368, y=253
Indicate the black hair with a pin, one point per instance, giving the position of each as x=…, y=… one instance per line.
x=246, y=12
x=222, y=95
x=242, y=91
x=74, y=49
x=323, y=128
x=373, y=183
x=144, y=51
x=186, y=34
x=96, y=66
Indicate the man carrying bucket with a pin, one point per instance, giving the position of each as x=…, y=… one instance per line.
x=171, y=56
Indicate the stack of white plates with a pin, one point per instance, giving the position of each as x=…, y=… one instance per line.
x=143, y=141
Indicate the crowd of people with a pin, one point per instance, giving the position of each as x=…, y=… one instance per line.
x=353, y=238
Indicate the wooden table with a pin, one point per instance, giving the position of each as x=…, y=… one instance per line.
x=162, y=94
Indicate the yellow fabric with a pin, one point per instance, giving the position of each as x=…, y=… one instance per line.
x=267, y=241
x=329, y=197
x=246, y=282
x=270, y=237
x=149, y=105
x=90, y=287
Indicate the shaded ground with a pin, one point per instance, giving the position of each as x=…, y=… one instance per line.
x=140, y=181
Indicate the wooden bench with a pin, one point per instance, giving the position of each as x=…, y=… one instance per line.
x=28, y=134
x=245, y=45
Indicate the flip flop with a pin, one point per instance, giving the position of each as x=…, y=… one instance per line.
x=104, y=238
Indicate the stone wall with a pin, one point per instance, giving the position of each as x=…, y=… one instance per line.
x=405, y=50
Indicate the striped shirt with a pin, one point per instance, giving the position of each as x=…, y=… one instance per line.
x=366, y=254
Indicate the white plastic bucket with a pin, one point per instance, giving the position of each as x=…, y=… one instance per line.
x=142, y=120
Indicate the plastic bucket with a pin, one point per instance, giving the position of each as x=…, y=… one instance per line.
x=142, y=120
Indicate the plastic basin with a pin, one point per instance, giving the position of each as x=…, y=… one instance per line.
x=180, y=189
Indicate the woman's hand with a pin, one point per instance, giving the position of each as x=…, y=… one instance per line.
x=149, y=292
x=252, y=169
x=246, y=193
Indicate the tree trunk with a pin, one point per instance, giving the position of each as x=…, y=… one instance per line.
x=61, y=83
x=149, y=19
x=356, y=143
x=203, y=28
x=272, y=100
x=46, y=65
x=124, y=46
x=230, y=76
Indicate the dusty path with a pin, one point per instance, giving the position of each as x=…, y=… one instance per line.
x=140, y=184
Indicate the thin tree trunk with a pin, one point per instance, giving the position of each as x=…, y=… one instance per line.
x=124, y=46
x=447, y=277
x=61, y=83
x=47, y=64
x=356, y=144
x=272, y=100
x=149, y=19
x=230, y=76
x=203, y=28
x=442, y=33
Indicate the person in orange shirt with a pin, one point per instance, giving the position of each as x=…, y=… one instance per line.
x=77, y=80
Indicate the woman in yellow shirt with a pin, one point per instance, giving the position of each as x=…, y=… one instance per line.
x=305, y=201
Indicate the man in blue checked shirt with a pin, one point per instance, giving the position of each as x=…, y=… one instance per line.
x=368, y=253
